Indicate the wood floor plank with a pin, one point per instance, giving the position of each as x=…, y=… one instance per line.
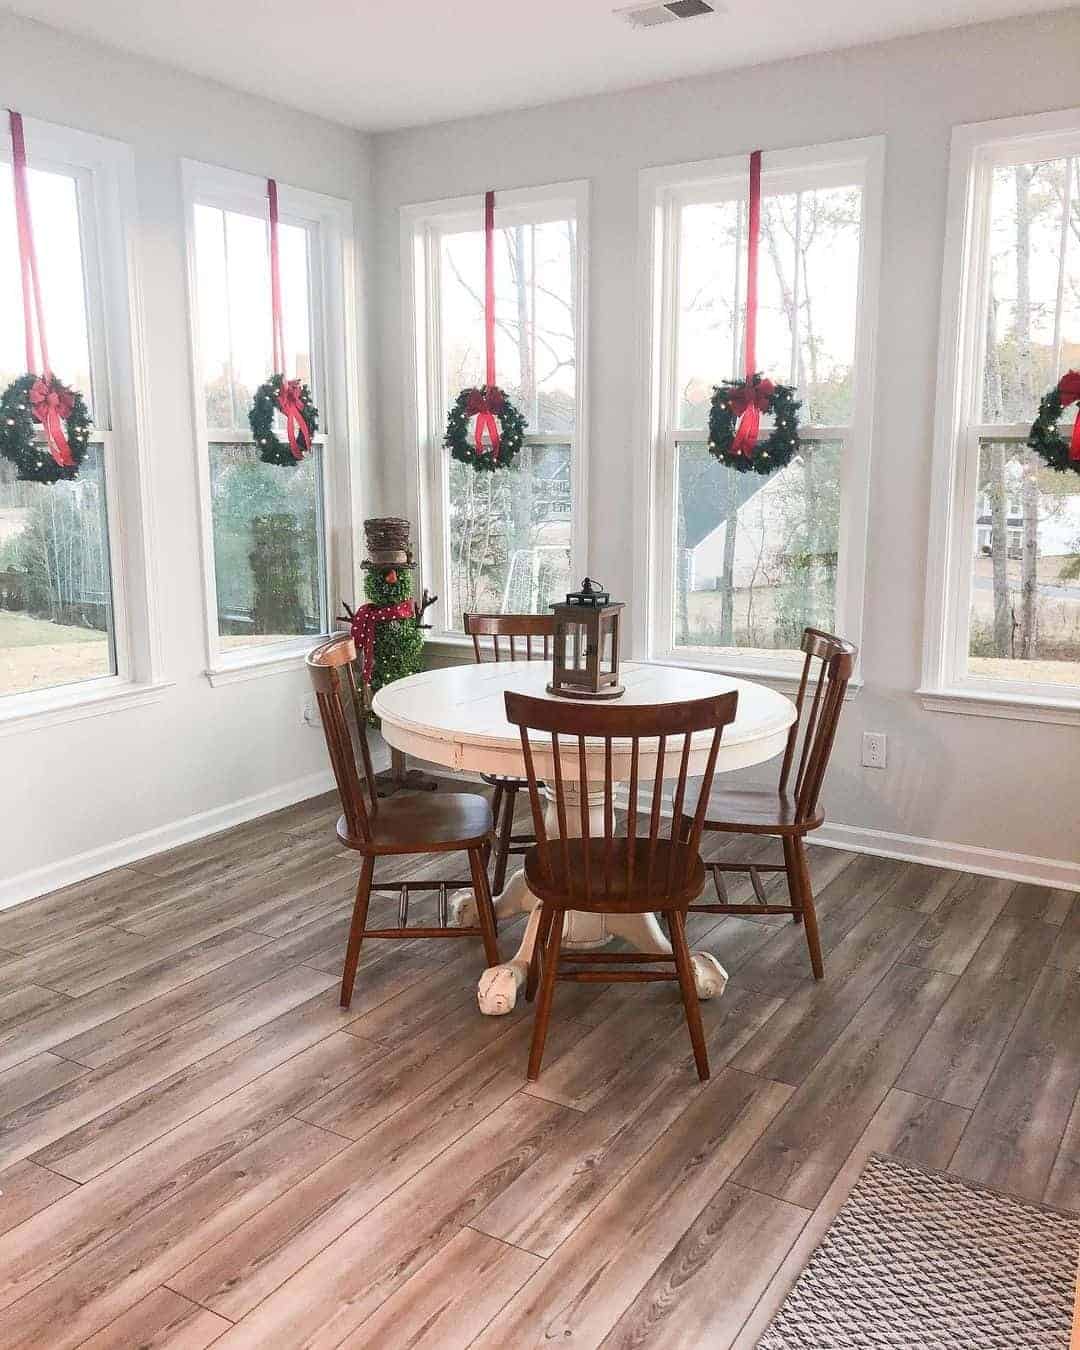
x=912, y=1127
x=66, y=1108
x=800, y=1154
x=450, y=1300
x=958, y=1053
x=1015, y=1130
x=707, y=1284
x=33, y=1079
x=800, y=1033
x=1066, y=951
x=583, y=1289
x=71, y=1017
x=26, y=1188
x=958, y=925
x=1040, y=902
x=117, y=1274
x=333, y=1295
x=922, y=888
x=233, y=1277
x=18, y=1006
x=161, y=1319
x=122, y=1197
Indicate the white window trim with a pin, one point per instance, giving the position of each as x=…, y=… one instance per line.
x=977, y=148
x=425, y=418
x=333, y=325
x=859, y=161
x=108, y=214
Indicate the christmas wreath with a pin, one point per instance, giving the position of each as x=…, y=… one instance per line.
x=1044, y=438
x=292, y=399
x=34, y=401
x=500, y=428
x=734, y=419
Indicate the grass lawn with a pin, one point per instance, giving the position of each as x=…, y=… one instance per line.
x=37, y=654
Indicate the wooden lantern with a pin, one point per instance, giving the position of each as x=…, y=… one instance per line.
x=586, y=648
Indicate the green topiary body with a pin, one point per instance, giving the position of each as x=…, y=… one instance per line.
x=399, y=643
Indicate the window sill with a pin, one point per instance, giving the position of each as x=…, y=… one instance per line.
x=783, y=681
x=252, y=665
x=1012, y=707
x=71, y=703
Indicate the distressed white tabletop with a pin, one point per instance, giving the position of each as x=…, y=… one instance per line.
x=456, y=717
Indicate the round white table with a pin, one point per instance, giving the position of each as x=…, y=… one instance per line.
x=456, y=717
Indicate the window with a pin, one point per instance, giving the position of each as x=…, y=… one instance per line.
x=1005, y=610
x=738, y=564
x=75, y=601
x=503, y=541
x=267, y=526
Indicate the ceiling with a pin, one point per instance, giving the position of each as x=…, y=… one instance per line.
x=381, y=64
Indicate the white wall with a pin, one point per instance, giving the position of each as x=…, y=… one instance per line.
x=77, y=798
x=994, y=785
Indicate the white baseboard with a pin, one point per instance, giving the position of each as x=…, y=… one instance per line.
x=92, y=863
x=990, y=862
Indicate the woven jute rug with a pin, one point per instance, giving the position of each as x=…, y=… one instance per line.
x=923, y=1259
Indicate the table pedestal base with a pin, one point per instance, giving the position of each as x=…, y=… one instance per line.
x=499, y=985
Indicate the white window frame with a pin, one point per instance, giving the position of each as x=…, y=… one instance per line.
x=977, y=149
x=108, y=216
x=422, y=226
x=662, y=192
x=332, y=324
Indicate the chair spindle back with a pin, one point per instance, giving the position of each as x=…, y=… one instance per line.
x=526, y=637
x=836, y=661
x=330, y=666
x=622, y=732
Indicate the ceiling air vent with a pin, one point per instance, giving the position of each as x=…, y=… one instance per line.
x=649, y=16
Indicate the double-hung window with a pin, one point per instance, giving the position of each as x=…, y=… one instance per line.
x=1003, y=597
x=268, y=528
x=75, y=590
x=507, y=541
x=733, y=565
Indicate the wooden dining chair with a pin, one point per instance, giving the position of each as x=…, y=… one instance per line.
x=792, y=810
x=524, y=637
x=444, y=822
x=609, y=874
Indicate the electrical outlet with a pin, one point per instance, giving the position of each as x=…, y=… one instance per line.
x=309, y=713
x=874, y=749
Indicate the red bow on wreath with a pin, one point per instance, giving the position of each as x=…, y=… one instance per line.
x=748, y=402
x=366, y=620
x=1069, y=392
x=51, y=403
x=484, y=404
x=290, y=401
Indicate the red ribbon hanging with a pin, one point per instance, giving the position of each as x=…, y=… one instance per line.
x=489, y=403
x=366, y=620
x=50, y=402
x=290, y=398
x=751, y=400
x=1069, y=392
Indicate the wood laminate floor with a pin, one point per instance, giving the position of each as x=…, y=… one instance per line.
x=198, y=1147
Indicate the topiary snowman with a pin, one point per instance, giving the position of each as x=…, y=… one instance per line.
x=388, y=631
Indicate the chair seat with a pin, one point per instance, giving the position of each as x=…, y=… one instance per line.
x=425, y=822
x=648, y=887
x=750, y=811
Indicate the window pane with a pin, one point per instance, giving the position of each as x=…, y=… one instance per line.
x=1033, y=308
x=807, y=300
x=56, y=623
x=509, y=534
x=54, y=205
x=535, y=304
x=1025, y=597
x=268, y=546
x=755, y=558
x=233, y=283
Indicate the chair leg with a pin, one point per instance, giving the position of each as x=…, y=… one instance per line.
x=496, y=806
x=791, y=867
x=677, y=929
x=543, y=929
x=547, y=991
x=484, y=908
x=806, y=904
x=502, y=845
x=356, y=930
